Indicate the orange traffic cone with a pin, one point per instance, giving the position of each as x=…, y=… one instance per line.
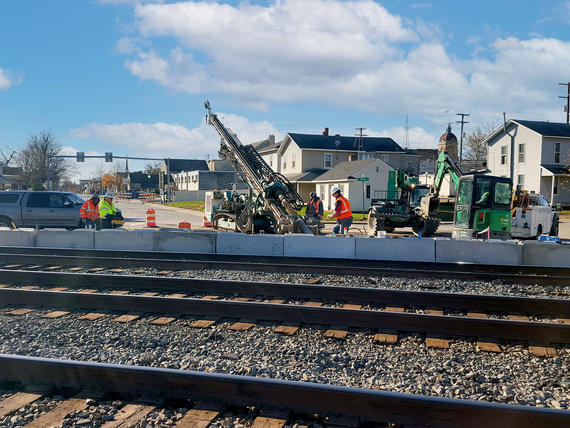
x=150, y=218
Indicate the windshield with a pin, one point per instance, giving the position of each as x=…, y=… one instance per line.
x=417, y=195
x=77, y=200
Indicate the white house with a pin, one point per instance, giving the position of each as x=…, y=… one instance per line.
x=359, y=181
x=535, y=155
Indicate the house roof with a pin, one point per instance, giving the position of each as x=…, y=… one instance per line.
x=177, y=165
x=308, y=175
x=345, y=169
x=549, y=129
x=268, y=148
x=327, y=142
x=5, y=180
x=557, y=169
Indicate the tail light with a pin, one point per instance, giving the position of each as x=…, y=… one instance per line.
x=481, y=215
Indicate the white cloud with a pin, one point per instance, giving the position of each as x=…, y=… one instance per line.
x=8, y=79
x=353, y=54
x=172, y=140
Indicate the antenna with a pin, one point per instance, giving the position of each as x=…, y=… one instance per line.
x=567, y=107
x=462, y=122
x=406, y=134
x=358, y=143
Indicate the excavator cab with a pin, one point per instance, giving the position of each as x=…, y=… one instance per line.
x=483, y=207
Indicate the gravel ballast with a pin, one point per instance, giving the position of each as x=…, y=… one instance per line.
x=514, y=376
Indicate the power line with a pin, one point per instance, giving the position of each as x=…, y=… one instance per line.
x=567, y=108
x=462, y=122
x=359, y=141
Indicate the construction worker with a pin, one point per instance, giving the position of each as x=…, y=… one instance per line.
x=342, y=212
x=90, y=217
x=314, y=207
x=107, y=210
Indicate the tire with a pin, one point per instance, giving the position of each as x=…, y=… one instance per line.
x=6, y=222
x=427, y=227
x=538, y=231
x=554, y=227
x=375, y=225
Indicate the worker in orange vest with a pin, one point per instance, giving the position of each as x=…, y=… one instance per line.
x=90, y=217
x=342, y=212
x=314, y=207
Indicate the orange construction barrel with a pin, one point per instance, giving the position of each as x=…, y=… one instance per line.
x=150, y=218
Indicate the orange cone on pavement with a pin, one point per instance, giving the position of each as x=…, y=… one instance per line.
x=150, y=218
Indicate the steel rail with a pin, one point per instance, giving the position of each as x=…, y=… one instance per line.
x=367, y=405
x=327, y=293
x=172, y=260
x=534, y=332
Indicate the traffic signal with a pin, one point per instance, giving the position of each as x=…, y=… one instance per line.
x=80, y=157
x=108, y=157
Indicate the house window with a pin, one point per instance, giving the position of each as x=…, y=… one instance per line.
x=556, y=152
x=385, y=158
x=293, y=160
x=521, y=153
x=284, y=162
x=271, y=160
x=364, y=155
x=520, y=181
x=328, y=160
x=503, y=155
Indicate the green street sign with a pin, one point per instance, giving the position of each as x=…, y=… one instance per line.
x=363, y=179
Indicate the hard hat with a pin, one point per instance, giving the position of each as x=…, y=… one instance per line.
x=334, y=190
x=313, y=195
x=108, y=195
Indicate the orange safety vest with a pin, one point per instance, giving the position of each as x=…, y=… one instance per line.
x=89, y=210
x=317, y=212
x=345, y=211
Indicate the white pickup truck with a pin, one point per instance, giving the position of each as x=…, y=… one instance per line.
x=535, y=218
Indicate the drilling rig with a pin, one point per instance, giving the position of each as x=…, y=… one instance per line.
x=272, y=200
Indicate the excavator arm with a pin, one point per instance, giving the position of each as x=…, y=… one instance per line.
x=445, y=165
x=274, y=190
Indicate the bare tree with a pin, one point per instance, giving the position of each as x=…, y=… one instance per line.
x=7, y=155
x=475, y=148
x=35, y=158
x=152, y=167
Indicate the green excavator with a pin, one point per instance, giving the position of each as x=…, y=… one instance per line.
x=482, y=205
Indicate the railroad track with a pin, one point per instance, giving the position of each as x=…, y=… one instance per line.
x=361, y=405
x=46, y=257
x=346, y=310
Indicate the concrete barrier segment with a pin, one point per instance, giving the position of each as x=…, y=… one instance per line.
x=546, y=254
x=17, y=238
x=413, y=249
x=251, y=245
x=81, y=239
x=118, y=239
x=492, y=252
x=302, y=245
x=183, y=241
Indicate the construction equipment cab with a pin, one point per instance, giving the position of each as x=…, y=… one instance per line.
x=483, y=207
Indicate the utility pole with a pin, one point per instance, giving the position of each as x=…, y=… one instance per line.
x=462, y=122
x=567, y=108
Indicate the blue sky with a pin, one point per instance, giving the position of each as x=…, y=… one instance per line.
x=131, y=76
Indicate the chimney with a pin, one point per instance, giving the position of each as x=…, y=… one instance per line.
x=271, y=138
x=326, y=131
x=351, y=158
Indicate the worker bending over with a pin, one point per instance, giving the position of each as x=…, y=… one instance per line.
x=342, y=212
x=90, y=217
x=315, y=207
x=107, y=211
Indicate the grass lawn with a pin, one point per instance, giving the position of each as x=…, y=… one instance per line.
x=191, y=205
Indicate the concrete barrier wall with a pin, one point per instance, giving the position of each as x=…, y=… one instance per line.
x=251, y=245
x=546, y=254
x=473, y=251
x=301, y=245
x=412, y=249
x=442, y=250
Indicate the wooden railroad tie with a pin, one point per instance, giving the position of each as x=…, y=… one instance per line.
x=162, y=320
x=198, y=417
x=202, y=323
x=477, y=315
x=56, y=415
x=277, y=301
x=488, y=346
x=22, y=311
x=542, y=351
x=389, y=338
x=58, y=289
x=126, y=318
x=519, y=318
x=119, y=292
x=177, y=295
x=30, y=287
x=336, y=333
x=434, y=311
x=96, y=269
x=55, y=314
x=88, y=290
x=149, y=294
x=394, y=309
x=15, y=402
x=351, y=306
x=92, y=316
x=314, y=304
x=437, y=343
x=240, y=326
x=75, y=269
x=53, y=267
x=287, y=330
x=266, y=422
x=11, y=266
x=128, y=416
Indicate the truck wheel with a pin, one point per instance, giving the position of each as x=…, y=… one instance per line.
x=554, y=227
x=538, y=231
x=427, y=227
x=6, y=222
